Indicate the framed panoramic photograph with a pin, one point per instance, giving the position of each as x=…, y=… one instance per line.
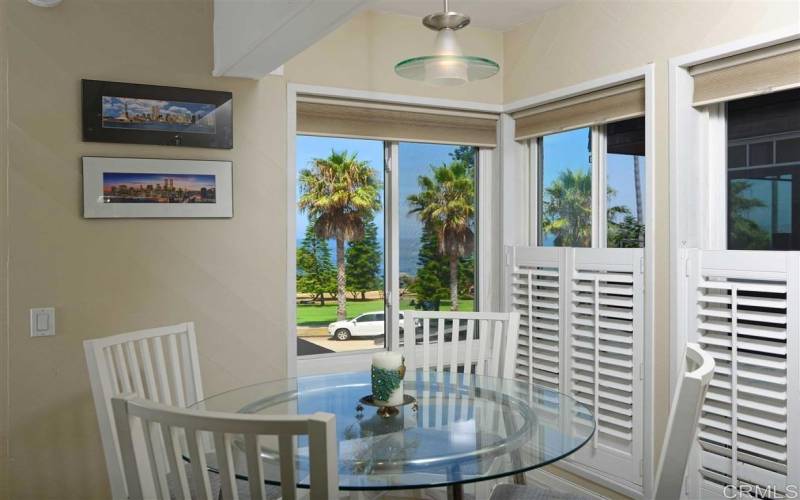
x=152, y=114
x=136, y=187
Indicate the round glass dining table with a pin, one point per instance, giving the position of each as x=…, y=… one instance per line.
x=462, y=429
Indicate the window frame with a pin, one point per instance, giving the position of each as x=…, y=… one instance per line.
x=693, y=192
x=598, y=165
x=486, y=293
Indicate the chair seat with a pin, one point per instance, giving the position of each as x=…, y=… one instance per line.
x=530, y=492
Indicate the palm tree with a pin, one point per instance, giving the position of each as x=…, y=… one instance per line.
x=567, y=209
x=446, y=206
x=340, y=193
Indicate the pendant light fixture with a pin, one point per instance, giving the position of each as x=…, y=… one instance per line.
x=448, y=66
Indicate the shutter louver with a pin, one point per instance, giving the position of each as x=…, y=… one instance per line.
x=604, y=333
x=536, y=291
x=581, y=333
x=743, y=320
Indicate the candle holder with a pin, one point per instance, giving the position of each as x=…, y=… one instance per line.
x=385, y=409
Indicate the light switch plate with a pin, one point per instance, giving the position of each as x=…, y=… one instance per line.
x=43, y=322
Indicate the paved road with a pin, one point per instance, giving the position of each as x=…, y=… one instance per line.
x=305, y=348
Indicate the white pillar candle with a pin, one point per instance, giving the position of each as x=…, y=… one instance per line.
x=390, y=361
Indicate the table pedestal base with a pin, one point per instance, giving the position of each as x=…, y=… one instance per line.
x=455, y=492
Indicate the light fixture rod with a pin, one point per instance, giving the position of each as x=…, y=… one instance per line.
x=446, y=6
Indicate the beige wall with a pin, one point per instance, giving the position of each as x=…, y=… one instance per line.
x=588, y=40
x=105, y=277
x=112, y=276
x=4, y=380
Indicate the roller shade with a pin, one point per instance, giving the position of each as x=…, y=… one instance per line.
x=602, y=106
x=373, y=120
x=756, y=72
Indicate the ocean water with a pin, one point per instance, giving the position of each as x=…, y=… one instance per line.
x=409, y=252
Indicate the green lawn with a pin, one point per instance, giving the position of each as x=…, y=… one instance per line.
x=316, y=315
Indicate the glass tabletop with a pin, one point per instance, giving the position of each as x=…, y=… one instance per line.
x=462, y=428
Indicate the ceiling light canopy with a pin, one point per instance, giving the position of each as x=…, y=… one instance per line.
x=447, y=66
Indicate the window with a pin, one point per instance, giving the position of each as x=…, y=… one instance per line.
x=565, y=197
x=763, y=164
x=349, y=238
x=625, y=183
x=571, y=178
x=436, y=247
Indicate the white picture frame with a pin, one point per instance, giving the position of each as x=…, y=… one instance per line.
x=157, y=194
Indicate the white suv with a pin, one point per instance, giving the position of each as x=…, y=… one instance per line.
x=369, y=324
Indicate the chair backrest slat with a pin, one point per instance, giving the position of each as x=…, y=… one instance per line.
x=468, y=348
x=323, y=452
x=197, y=455
x=483, y=339
x=426, y=340
x=141, y=362
x=497, y=353
x=222, y=445
x=162, y=374
x=121, y=368
x=440, y=347
x=454, y=336
x=156, y=460
x=134, y=368
x=496, y=343
x=175, y=460
x=286, y=452
x=181, y=425
x=698, y=370
x=175, y=368
x=147, y=371
x=255, y=475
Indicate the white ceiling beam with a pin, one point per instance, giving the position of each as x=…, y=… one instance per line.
x=253, y=38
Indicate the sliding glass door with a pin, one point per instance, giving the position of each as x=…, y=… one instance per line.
x=340, y=245
x=371, y=229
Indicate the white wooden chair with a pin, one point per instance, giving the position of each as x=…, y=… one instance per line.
x=159, y=364
x=680, y=436
x=493, y=351
x=139, y=424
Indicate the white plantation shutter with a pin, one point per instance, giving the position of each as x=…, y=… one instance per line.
x=604, y=346
x=744, y=310
x=536, y=286
x=582, y=333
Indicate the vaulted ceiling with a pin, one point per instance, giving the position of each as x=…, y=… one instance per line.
x=254, y=37
x=501, y=15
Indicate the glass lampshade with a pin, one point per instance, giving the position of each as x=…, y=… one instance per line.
x=447, y=70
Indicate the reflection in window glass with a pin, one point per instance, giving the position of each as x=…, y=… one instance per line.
x=763, y=163
x=625, y=179
x=340, y=245
x=565, y=200
x=437, y=233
